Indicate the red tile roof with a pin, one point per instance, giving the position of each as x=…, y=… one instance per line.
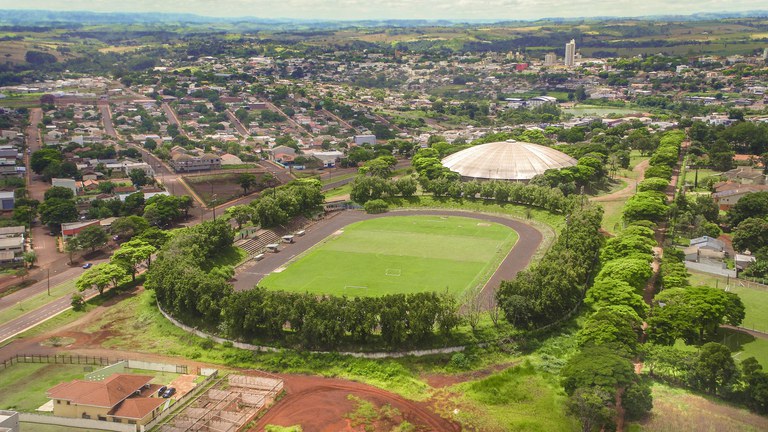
x=137, y=408
x=106, y=393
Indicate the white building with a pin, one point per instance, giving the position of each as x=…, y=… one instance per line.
x=550, y=59
x=570, y=53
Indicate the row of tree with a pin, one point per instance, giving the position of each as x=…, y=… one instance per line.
x=551, y=289
x=610, y=336
x=330, y=321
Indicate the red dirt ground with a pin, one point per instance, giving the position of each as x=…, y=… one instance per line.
x=320, y=404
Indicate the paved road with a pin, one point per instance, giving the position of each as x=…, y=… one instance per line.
x=517, y=259
x=106, y=119
x=173, y=118
x=237, y=124
x=35, y=317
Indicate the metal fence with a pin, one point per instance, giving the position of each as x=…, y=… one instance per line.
x=82, y=360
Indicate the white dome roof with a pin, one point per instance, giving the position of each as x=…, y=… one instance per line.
x=507, y=160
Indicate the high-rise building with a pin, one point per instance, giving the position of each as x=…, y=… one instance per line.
x=570, y=53
x=550, y=59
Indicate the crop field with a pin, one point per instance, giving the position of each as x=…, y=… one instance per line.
x=399, y=254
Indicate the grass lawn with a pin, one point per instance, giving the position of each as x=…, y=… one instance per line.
x=36, y=301
x=30, y=381
x=681, y=410
x=399, y=254
x=690, y=176
x=612, y=218
x=517, y=399
x=634, y=159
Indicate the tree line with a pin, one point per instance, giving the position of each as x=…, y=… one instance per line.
x=551, y=289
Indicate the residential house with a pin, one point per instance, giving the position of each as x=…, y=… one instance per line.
x=708, y=243
x=182, y=162
x=120, y=398
x=7, y=200
x=364, y=139
x=727, y=198
x=70, y=184
x=71, y=229
x=743, y=261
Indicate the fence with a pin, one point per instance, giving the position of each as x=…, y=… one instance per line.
x=57, y=359
x=92, y=361
x=76, y=423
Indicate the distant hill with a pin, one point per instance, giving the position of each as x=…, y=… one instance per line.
x=29, y=17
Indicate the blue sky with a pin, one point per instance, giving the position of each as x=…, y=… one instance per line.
x=401, y=9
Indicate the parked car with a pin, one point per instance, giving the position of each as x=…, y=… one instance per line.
x=170, y=391
x=87, y=265
x=161, y=390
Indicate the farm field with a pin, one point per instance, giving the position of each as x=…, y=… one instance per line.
x=399, y=254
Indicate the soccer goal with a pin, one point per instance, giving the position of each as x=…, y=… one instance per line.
x=392, y=272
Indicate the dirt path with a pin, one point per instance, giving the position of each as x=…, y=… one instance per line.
x=440, y=381
x=629, y=190
x=320, y=404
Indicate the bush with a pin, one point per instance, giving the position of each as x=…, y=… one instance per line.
x=78, y=302
x=376, y=206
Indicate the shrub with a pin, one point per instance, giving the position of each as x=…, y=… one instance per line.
x=376, y=206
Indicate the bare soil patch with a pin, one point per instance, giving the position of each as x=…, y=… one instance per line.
x=321, y=404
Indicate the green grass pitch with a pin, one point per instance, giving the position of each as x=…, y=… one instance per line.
x=399, y=254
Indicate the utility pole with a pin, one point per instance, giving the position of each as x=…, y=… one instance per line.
x=49, y=281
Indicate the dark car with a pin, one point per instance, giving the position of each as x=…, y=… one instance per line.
x=170, y=391
x=87, y=265
x=161, y=390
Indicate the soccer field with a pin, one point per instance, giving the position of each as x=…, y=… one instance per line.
x=399, y=254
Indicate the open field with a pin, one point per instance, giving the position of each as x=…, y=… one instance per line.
x=30, y=381
x=683, y=411
x=399, y=254
x=580, y=110
x=517, y=399
x=612, y=218
x=221, y=187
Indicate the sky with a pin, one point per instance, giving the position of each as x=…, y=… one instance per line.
x=399, y=9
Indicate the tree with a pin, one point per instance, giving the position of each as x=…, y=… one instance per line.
x=56, y=211
x=379, y=167
x=597, y=367
x=71, y=246
x=241, y=214
x=129, y=226
x=132, y=253
x=138, y=177
x=650, y=206
x=592, y=406
x=24, y=215
x=92, y=237
x=637, y=400
x=100, y=276
x=714, y=369
x=752, y=234
x=134, y=204
x=59, y=192
x=30, y=258
x=753, y=204
x=691, y=313
x=155, y=236
x=41, y=159
x=247, y=181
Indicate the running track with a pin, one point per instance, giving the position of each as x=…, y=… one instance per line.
x=518, y=258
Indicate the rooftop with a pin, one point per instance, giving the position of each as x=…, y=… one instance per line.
x=106, y=393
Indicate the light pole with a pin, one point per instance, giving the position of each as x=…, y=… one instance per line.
x=49, y=281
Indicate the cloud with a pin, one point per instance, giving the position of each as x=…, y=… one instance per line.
x=400, y=9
